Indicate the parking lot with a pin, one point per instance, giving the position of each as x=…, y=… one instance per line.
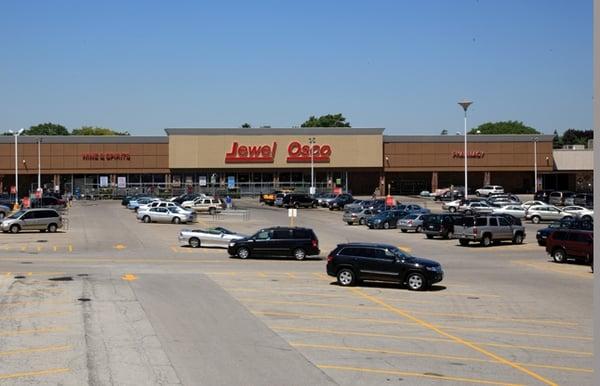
x=141, y=309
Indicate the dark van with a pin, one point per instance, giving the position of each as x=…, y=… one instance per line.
x=441, y=224
x=277, y=241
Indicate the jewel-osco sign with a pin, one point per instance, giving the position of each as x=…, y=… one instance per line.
x=296, y=153
x=470, y=154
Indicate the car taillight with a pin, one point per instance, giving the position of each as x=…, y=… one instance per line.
x=475, y=230
x=329, y=258
x=409, y=222
x=315, y=243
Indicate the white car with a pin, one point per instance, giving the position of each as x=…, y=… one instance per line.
x=579, y=211
x=514, y=210
x=528, y=204
x=488, y=190
x=157, y=204
x=190, y=203
x=539, y=213
x=452, y=206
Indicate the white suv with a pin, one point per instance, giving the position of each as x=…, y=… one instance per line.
x=488, y=190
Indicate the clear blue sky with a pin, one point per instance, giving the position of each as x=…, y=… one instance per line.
x=146, y=65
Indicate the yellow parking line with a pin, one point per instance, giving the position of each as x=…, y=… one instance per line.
x=70, y=248
x=174, y=249
x=464, y=316
x=23, y=248
x=440, y=340
x=39, y=248
x=35, y=350
x=427, y=355
x=33, y=315
x=54, y=248
x=320, y=295
x=416, y=375
x=290, y=275
x=261, y=274
x=34, y=373
x=32, y=331
x=434, y=328
x=404, y=323
x=38, y=303
x=555, y=270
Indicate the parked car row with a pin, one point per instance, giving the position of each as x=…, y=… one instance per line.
x=562, y=197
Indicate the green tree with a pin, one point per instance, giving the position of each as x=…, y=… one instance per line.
x=577, y=137
x=246, y=125
x=329, y=120
x=47, y=129
x=94, y=130
x=504, y=127
x=556, y=141
x=444, y=132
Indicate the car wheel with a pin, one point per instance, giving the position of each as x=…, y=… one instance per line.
x=419, y=229
x=350, y=222
x=176, y=220
x=52, y=228
x=518, y=239
x=15, y=228
x=404, y=230
x=1, y=215
x=299, y=254
x=386, y=225
x=536, y=219
x=243, y=253
x=331, y=208
x=486, y=241
x=146, y=219
x=568, y=217
x=584, y=218
x=361, y=221
x=477, y=194
x=296, y=205
x=346, y=277
x=559, y=255
x=194, y=242
x=212, y=211
x=463, y=242
x=415, y=281
x=449, y=235
x=429, y=236
x=468, y=212
x=452, y=209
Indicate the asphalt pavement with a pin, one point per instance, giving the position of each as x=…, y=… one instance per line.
x=134, y=307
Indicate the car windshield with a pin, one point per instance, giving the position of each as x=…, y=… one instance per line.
x=17, y=214
x=400, y=253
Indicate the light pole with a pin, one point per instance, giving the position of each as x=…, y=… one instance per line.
x=16, y=134
x=535, y=177
x=312, y=141
x=39, y=187
x=465, y=105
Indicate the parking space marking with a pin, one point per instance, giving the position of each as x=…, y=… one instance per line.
x=37, y=303
x=174, y=249
x=70, y=248
x=32, y=331
x=545, y=267
x=463, y=316
x=36, y=350
x=405, y=323
x=38, y=273
x=33, y=315
x=417, y=375
x=441, y=340
x=290, y=275
x=38, y=373
x=428, y=355
x=455, y=338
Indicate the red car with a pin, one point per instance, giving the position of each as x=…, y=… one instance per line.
x=575, y=244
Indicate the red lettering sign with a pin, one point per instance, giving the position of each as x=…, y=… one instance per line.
x=106, y=156
x=251, y=154
x=298, y=153
x=470, y=154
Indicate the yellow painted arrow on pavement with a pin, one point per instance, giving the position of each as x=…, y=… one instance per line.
x=120, y=247
x=129, y=277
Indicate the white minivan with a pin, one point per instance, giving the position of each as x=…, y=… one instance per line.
x=488, y=190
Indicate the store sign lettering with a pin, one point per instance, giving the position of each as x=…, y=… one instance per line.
x=106, y=156
x=470, y=154
x=251, y=154
x=298, y=152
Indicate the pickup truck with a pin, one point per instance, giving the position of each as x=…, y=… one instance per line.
x=488, y=229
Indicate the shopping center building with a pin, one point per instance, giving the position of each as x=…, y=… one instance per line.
x=250, y=161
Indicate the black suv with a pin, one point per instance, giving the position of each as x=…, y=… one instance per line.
x=341, y=200
x=277, y=241
x=296, y=200
x=441, y=224
x=351, y=263
x=565, y=223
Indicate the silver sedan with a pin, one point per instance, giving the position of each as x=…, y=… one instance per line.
x=514, y=210
x=211, y=237
x=172, y=215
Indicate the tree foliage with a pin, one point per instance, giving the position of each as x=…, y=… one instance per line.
x=47, y=129
x=503, y=127
x=329, y=120
x=577, y=137
x=246, y=125
x=94, y=130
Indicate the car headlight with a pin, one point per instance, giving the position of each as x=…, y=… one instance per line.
x=231, y=243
